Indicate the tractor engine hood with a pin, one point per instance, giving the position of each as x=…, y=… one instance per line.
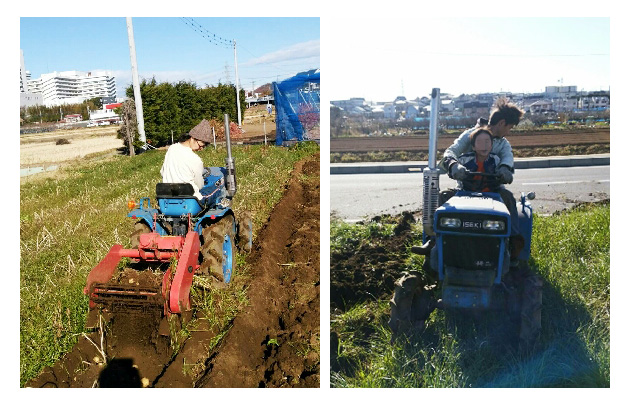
x=476, y=203
x=469, y=213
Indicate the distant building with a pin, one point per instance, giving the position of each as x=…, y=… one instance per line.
x=541, y=107
x=389, y=111
x=71, y=87
x=476, y=109
x=594, y=101
x=412, y=111
x=349, y=104
x=73, y=118
x=560, y=91
x=27, y=98
x=551, y=102
x=106, y=115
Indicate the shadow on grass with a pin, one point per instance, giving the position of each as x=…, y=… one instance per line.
x=484, y=347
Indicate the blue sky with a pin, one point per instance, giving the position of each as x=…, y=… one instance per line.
x=170, y=49
x=381, y=58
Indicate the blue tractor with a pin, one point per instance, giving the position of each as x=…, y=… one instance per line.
x=189, y=235
x=469, y=267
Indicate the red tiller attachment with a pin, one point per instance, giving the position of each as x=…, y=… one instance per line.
x=153, y=248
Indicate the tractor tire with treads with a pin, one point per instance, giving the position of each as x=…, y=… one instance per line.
x=138, y=229
x=411, y=304
x=218, y=249
x=530, y=310
x=244, y=238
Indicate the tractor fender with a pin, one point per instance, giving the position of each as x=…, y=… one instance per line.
x=212, y=215
x=146, y=215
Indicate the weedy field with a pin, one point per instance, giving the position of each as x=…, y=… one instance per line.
x=571, y=250
x=69, y=222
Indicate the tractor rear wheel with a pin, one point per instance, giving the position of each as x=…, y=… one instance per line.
x=138, y=229
x=218, y=249
x=411, y=304
x=530, y=310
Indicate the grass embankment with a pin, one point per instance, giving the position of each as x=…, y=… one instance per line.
x=69, y=223
x=570, y=251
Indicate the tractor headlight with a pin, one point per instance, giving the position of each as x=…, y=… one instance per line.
x=450, y=222
x=493, y=225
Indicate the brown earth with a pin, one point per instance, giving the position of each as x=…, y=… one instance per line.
x=363, y=272
x=517, y=140
x=370, y=270
x=273, y=342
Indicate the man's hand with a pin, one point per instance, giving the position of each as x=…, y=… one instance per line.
x=206, y=172
x=458, y=171
x=506, y=175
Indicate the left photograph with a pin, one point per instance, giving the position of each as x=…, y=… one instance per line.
x=169, y=202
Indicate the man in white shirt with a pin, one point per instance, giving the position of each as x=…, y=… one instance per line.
x=181, y=164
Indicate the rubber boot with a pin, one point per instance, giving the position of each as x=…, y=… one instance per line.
x=425, y=249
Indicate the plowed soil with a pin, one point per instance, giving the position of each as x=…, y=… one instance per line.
x=369, y=271
x=516, y=139
x=273, y=342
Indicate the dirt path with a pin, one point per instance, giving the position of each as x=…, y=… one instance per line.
x=273, y=342
x=516, y=139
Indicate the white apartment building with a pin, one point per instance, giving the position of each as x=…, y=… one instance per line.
x=27, y=98
x=24, y=74
x=70, y=87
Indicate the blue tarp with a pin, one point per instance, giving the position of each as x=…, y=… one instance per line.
x=297, y=107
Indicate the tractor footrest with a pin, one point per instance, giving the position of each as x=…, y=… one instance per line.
x=127, y=296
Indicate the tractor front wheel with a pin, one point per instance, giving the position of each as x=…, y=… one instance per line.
x=218, y=249
x=411, y=304
x=531, y=305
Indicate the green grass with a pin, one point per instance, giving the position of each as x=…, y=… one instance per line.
x=67, y=224
x=572, y=253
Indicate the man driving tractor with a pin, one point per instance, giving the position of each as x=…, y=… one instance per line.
x=458, y=163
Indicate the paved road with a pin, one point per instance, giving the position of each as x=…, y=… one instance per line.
x=354, y=197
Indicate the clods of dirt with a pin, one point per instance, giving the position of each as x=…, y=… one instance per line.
x=274, y=342
x=369, y=271
x=124, y=351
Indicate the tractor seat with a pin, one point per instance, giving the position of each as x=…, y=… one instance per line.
x=177, y=199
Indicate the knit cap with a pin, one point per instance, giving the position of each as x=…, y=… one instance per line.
x=203, y=131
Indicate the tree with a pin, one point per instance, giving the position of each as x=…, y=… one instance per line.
x=97, y=103
x=128, y=131
x=176, y=108
x=336, y=121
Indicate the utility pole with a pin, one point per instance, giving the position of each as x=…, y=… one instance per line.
x=136, y=84
x=238, y=101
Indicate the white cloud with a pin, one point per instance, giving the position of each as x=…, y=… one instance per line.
x=297, y=51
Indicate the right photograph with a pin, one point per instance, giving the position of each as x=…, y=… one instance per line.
x=470, y=202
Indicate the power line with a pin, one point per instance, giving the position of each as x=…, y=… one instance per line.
x=211, y=37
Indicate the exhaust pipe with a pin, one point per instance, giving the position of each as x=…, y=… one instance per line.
x=431, y=174
x=230, y=179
